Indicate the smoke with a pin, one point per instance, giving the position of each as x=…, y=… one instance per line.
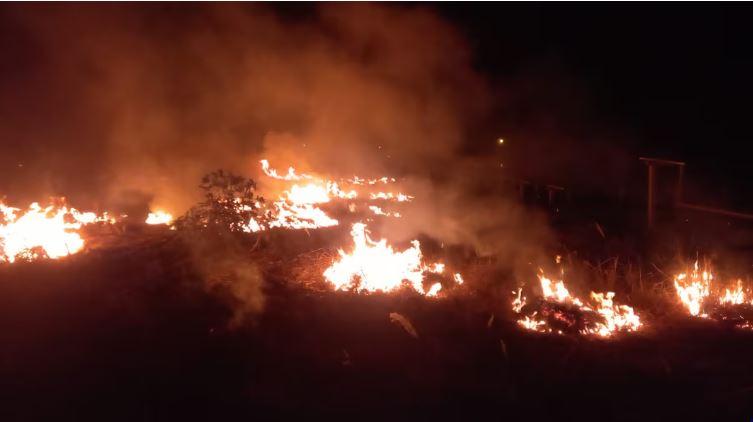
x=123, y=98
x=122, y=104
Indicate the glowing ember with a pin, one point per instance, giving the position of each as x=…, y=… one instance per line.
x=693, y=289
x=42, y=232
x=374, y=266
x=559, y=305
x=159, y=217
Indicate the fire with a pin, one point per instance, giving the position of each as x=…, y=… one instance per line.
x=159, y=217
x=298, y=206
x=458, y=278
x=291, y=175
x=698, y=295
x=733, y=297
x=37, y=232
x=399, y=197
x=693, y=289
x=375, y=266
x=307, y=194
x=298, y=216
x=611, y=318
x=371, y=265
x=379, y=211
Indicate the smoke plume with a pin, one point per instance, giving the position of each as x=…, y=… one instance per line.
x=115, y=104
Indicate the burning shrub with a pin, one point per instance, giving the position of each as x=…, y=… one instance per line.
x=230, y=204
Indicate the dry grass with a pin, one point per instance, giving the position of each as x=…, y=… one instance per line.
x=307, y=269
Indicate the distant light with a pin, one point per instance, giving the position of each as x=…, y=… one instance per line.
x=500, y=141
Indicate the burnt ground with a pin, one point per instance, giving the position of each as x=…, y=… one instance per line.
x=133, y=334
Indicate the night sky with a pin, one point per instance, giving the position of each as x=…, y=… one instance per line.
x=671, y=81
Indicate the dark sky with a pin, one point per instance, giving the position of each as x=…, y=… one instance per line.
x=673, y=81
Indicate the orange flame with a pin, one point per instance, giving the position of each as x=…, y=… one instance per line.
x=159, y=217
x=735, y=296
x=375, y=266
x=297, y=207
x=615, y=318
x=693, y=289
x=51, y=229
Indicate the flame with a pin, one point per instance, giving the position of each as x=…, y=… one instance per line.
x=291, y=175
x=434, y=290
x=54, y=230
x=458, y=278
x=307, y=194
x=375, y=266
x=614, y=318
x=736, y=296
x=399, y=197
x=693, y=289
x=297, y=207
x=359, y=181
x=379, y=211
x=519, y=302
x=159, y=217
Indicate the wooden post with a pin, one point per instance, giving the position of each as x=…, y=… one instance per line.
x=650, y=199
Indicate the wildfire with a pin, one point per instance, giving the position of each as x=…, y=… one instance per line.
x=375, y=266
x=379, y=211
x=159, y=217
x=559, y=309
x=298, y=206
x=291, y=175
x=693, y=289
x=37, y=232
x=735, y=296
x=399, y=197
x=696, y=292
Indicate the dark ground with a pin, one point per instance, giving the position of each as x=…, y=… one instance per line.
x=132, y=334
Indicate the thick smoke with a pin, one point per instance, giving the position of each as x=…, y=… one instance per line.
x=114, y=104
x=150, y=97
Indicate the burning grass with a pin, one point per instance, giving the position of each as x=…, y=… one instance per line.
x=560, y=312
x=698, y=294
x=43, y=232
